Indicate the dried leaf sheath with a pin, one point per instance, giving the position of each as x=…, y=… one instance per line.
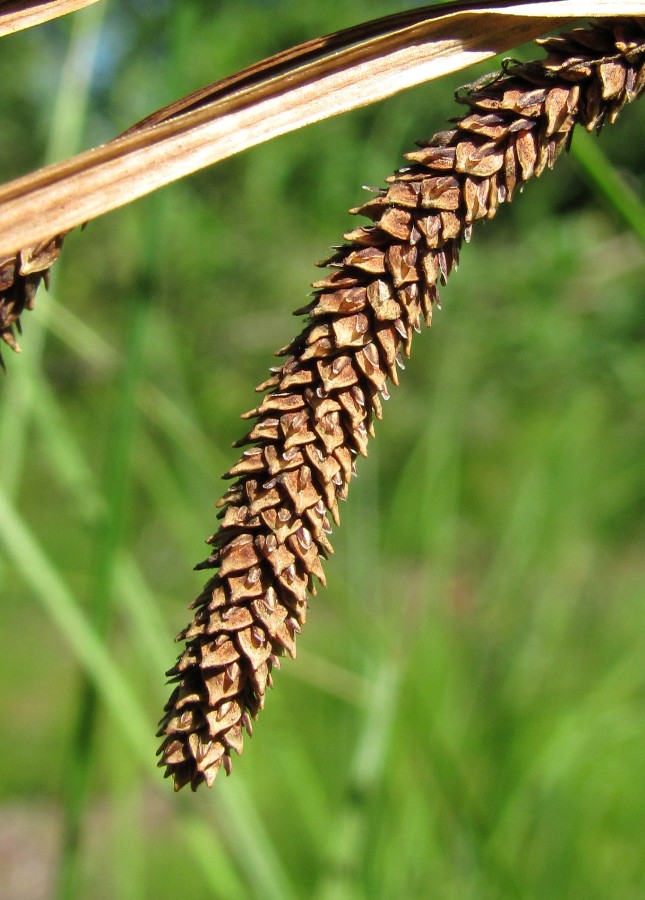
x=321, y=402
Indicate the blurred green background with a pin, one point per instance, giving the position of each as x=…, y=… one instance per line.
x=466, y=718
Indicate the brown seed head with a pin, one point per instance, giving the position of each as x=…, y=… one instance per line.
x=322, y=400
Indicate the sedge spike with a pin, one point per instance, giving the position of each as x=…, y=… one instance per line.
x=318, y=412
x=20, y=276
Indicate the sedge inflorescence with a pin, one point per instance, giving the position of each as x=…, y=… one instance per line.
x=320, y=404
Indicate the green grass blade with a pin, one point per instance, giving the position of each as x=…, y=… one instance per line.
x=108, y=539
x=114, y=688
x=16, y=415
x=138, y=603
x=348, y=833
x=159, y=408
x=64, y=610
x=213, y=861
x=83, y=340
x=67, y=462
x=608, y=182
x=251, y=844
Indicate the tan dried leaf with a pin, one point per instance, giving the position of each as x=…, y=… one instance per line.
x=313, y=81
x=16, y=15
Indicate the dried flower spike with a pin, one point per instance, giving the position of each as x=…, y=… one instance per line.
x=20, y=276
x=321, y=402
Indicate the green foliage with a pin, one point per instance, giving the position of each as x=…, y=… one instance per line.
x=466, y=716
